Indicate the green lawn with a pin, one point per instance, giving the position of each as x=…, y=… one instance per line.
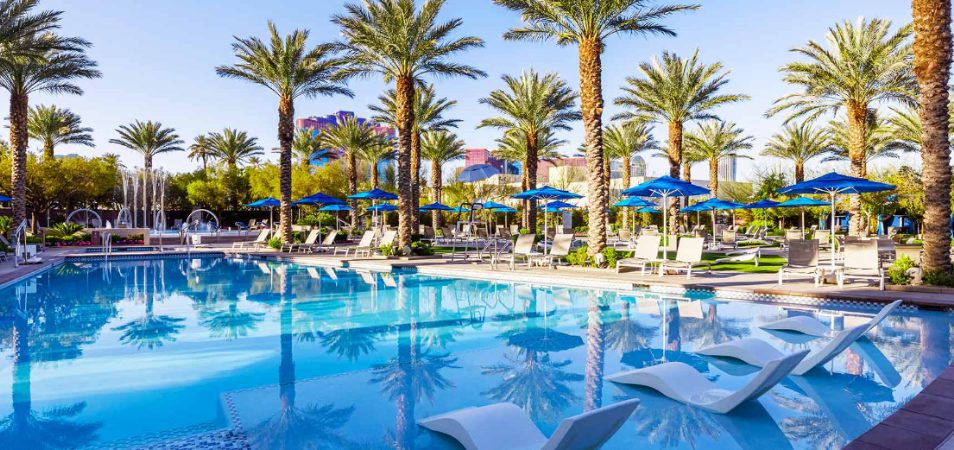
x=767, y=264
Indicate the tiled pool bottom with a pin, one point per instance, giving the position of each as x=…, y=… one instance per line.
x=139, y=353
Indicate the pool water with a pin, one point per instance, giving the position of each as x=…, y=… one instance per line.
x=126, y=354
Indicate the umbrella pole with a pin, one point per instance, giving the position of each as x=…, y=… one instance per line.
x=713, y=226
x=832, y=228
x=271, y=216
x=665, y=226
x=803, y=222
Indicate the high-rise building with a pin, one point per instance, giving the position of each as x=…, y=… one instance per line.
x=318, y=123
x=727, y=168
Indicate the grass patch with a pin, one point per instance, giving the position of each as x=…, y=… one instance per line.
x=767, y=264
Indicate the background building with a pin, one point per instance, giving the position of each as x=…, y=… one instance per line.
x=727, y=168
x=318, y=123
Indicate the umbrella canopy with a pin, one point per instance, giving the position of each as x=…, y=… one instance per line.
x=649, y=210
x=711, y=205
x=557, y=205
x=546, y=193
x=436, y=206
x=801, y=202
x=544, y=340
x=382, y=207
x=4, y=198
x=633, y=202
x=334, y=208
x=477, y=172
x=373, y=194
x=268, y=202
x=460, y=210
x=762, y=204
x=665, y=187
x=319, y=198
x=494, y=205
x=836, y=183
x=506, y=209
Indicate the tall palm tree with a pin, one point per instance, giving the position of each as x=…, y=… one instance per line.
x=200, y=150
x=798, y=142
x=865, y=63
x=880, y=141
x=233, y=147
x=351, y=137
x=624, y=142
x=379, y=151
x=716, y=140
x=440, y=147
x=288, y=68
x=52, y=69
x=588, y=24
x=429, y=113
x=932, y=64
x=532, y=105
x=404, y=44
x=307, y=146
x=53, y=126
x=148, y=139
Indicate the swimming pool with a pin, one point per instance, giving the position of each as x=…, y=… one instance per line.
x=131, y=353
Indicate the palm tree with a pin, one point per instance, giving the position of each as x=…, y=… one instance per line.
x=233, y=147
x=351, y=137
x=798, y=142
x=307, y=146
x=379, y=151
x=288, y=68
x=588, y=24
x=440, y=147
x=880, y=142
x=624, y=142
x=864, y=64
x=149, y=139
x=533, y=104
x=51, y=68
x=714, y=141
x=428, y=116
x=53, y=126
x=200, y=150
x=403, y=44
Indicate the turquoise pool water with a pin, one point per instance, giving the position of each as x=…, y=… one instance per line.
x=129, y=353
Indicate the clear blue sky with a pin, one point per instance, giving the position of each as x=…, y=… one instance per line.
x=158, y=59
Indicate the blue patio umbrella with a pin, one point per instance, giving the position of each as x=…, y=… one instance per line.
x=494, y=205
x=374, y=195
x=547, y=194
x=762, y=204
x=436, y=206
x=477, y=172
x=504, y=210
x=270, y=203
x=335, y=208
x=713, y=204
x=649, y=210
x=665, y=187
x=802, y=202
x=4, y=198
x=460, y=209
x=632, y=203
x=834, y=184
x=319, y=198
x=558, y=205
x=382, y=207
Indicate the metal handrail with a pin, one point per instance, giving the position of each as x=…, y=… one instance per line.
x=18, y=235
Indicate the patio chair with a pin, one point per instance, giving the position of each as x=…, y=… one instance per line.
x=683, y=383
x=514, y=229
x=814, y=327
x=792, y=235
x=688, y=256
x=559, y=249
x=624, y=237
x=387, y=239
x=802, y=260
x=523, y=248
x=647, y=252
x=506, y=425
x=262, y=239
x=308, y=242
x=252, y=224
x=242, y=226
x=327, y=244
x=823, y=237
x=861, y=262
x=756, y=352
x=428, y=234
x=729, y=240
x=364, y=244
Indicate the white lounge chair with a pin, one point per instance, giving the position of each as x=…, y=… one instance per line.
x=309, y=241
x=506, y=426
x=523, y=248
x=261, y=240
x=387, y=239
x=814, y=327
x=559, y=249
x=363, y=245
x=862, y=261
x=679, y=381
x=688, y=256
x=759, y=353
x=647, y=252
x=326, y=244
x=802, y=260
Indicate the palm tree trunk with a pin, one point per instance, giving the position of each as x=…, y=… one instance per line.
x=674, y=152
x=799, y=171
x=375, y=179
x=530, y=207
x=438, y=186
x=932, y=63
x=404, y=99
x=857, y=144
x=19, y=104
x=627, y=174
x=687, y=171
x=353, y=187
x=286, y=133
x=591, y=105
x=714, y=176
x=48, y=149
x=146, y=171
x=415, y=178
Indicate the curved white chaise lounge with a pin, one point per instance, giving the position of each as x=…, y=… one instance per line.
x=759, y=353
x=681, y=382
x=814, y=327
x=505, y=425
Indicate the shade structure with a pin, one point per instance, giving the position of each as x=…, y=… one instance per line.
x=373, y=194
x=802, y=202
x=4, y=198
x=558, y=205
x=459, y=209
x=649, y=210
x=270, y=203
x=833, y=184
x=633, y=202
x=319, y=198
x=547, y=194
x=762, y=204
x=335, y=208
x=494, y=205
x=382, y=207
x=504, y=210
x=477, y=172
x=713, y=204
x=436, y=206
x=665, y=187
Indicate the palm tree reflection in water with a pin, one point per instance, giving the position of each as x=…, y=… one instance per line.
x=150, y=331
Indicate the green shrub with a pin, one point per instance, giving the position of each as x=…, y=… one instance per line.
x=275, y=242
x=898, y=272
x=6, y=225
x=611, y=256
x=64, y=229
x=421, y=248
x=389, y=250
x=939, y=278
x=524, y=230
x=578, y=257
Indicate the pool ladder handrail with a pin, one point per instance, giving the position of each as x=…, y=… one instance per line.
x=107, y=244
x=18, y=235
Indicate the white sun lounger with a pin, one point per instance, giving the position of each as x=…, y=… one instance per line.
x=261, y=240
x=506, y=426
x=523, y=248
x=679, y=381
x=688, y=256
x=364, y=245
x=647, y=252
x=814, y=327
x=759, y=353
